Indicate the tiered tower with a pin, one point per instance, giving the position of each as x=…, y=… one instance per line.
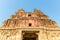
x=29, y=26
x=29, y=19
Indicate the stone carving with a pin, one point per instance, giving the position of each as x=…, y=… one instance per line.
x=12, y=29
x=37, y=19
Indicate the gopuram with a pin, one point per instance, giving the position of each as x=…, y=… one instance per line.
x=29, y=26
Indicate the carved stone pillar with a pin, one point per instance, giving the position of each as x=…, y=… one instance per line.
x=39, y=36
x=20, y=32
x=42, y=35
x=19, y=35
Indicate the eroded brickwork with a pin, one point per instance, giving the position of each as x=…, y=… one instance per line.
x=12, y=29
x=22, y=18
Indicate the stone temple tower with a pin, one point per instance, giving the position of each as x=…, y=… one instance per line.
x=29, y=26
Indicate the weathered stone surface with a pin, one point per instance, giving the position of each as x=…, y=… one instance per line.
x=29, y=23
x=36, y=18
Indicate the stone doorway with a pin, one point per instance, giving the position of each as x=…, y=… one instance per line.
x=30, y=36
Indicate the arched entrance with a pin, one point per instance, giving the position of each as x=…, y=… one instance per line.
x=30, y=36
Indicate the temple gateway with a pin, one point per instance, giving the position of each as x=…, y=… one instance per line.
x=29, y=26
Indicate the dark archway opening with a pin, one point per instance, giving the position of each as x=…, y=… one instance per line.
x=30, y=36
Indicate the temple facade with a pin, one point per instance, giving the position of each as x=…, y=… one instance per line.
x=29, y=26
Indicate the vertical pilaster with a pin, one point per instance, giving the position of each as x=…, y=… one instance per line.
x=19, y=35
x=20, y=32
x=39, y=35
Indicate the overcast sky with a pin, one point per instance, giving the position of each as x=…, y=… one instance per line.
x=48, y=7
